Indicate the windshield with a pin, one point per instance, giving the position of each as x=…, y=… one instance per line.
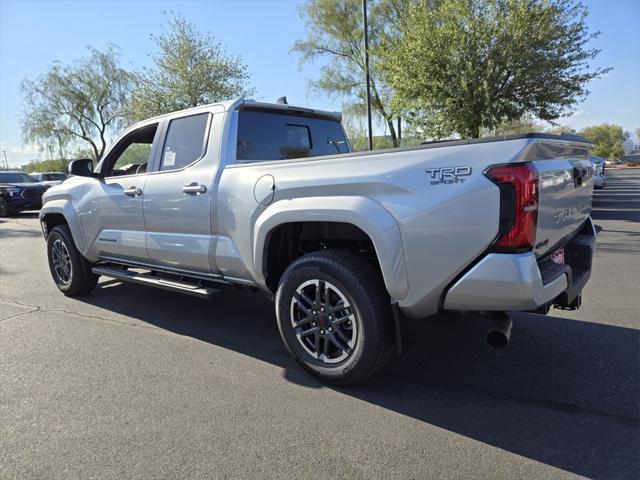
x=16, y=177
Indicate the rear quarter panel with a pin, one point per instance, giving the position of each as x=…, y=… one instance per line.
x=443, y=227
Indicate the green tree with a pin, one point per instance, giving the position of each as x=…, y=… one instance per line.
x=463, y=65
x=53, y=165
x=525, y=124
x=607, y=140
x=190, y=69
x=560, y=129
x=136, y=153
x=335, y=34
x=79, y=104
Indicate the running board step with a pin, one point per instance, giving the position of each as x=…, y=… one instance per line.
x=154, y=281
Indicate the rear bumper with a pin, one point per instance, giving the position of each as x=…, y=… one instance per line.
x=504, y=282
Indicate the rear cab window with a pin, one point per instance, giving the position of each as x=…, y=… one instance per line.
x=265, y=134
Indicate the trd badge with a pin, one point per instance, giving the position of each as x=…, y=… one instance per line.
x=448, y=175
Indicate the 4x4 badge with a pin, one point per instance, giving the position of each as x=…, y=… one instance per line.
x=448, y=175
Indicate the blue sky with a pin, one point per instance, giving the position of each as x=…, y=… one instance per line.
x=34, y=34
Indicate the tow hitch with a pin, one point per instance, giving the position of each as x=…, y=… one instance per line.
x=574, y=305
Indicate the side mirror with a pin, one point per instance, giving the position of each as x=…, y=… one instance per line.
x=81, y=168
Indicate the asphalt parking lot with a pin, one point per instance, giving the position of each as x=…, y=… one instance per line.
x=132, y=382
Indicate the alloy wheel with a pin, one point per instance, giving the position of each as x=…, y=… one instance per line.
x=323, y=321
x=61, y=262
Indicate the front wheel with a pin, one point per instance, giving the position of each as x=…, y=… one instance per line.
x=334, y=316
x=69, y=269
x=4, y=208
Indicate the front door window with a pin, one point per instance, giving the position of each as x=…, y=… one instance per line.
x=132, y=154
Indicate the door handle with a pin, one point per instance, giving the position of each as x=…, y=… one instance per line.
x=133, y=192
x=194, y=188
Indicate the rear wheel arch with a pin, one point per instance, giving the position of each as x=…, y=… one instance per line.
x=289, y=241
x=367, y=220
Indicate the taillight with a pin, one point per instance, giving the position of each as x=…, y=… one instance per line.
x=518, y=206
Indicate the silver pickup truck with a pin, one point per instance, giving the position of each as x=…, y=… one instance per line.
x=350, y=245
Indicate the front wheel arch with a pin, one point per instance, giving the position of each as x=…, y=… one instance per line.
x=52, y=220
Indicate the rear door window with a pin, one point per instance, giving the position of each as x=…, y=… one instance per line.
x=185, y=141
x=267, y=135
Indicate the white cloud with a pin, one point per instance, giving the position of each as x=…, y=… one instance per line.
x=577, y=120
x=18, y=155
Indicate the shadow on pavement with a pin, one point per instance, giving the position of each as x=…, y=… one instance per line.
x=25, y=214
x=564, y=393
x=8, y=232
x=17, y=233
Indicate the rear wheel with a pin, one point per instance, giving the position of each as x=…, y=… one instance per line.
x=70, y=270
x=334, y=316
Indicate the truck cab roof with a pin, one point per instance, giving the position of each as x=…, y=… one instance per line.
x=239, y=103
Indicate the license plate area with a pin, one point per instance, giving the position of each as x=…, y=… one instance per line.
x=557, y=256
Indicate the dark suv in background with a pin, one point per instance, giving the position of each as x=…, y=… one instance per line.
x=19, y=191
x=50, y=178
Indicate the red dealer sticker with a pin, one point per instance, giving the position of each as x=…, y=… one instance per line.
x=558, y=256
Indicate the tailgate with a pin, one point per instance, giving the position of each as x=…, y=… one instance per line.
x=565, y=175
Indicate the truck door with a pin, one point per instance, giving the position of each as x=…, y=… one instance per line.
x=111, y=208
x=177, y=199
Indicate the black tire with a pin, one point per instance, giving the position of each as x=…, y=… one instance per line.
x=80, y=280
x=4, y=208
x=362, y=286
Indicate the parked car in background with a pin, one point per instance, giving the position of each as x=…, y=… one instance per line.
x=599, y=180
x=19, y=191
x=50, y=178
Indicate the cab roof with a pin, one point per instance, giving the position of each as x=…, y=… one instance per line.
x=239, y=103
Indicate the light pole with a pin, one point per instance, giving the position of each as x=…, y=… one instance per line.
x=6, y=162
x=366, y=71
